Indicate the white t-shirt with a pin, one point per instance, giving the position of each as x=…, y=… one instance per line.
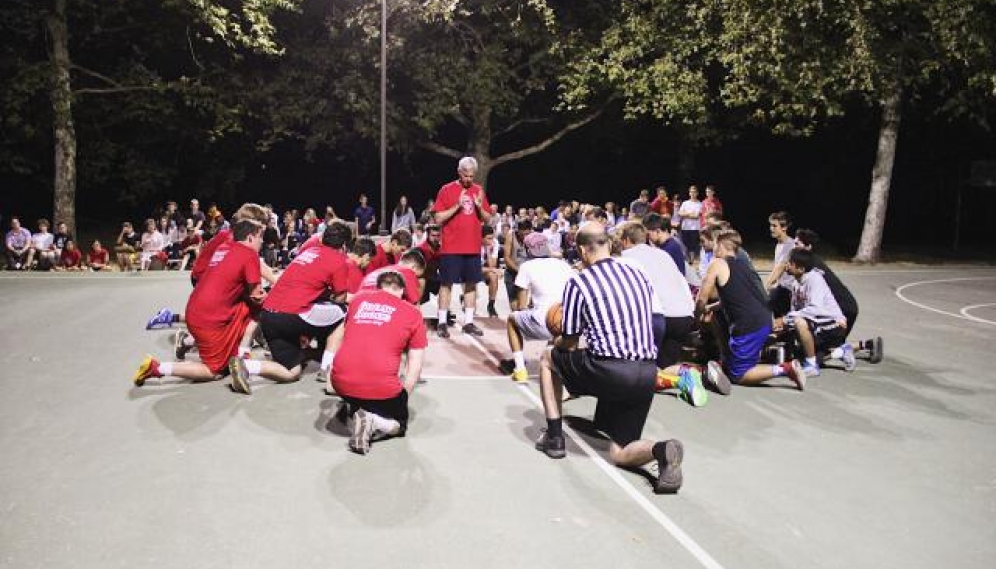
x=153, y=242
x=553, y=239
x=782, y=251
x=42, y=241
x=670, y=287
x=545, y=279
x=488, y=253
x=690, y=223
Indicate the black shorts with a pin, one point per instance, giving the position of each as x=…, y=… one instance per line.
x=431, y=287
x=464, y=269
x=676, y=332
x=283, y=333
x=825, y=337
x=779, y=301
x=624, y=389
x=510, y=288
x=394, y=408
x=690, y=239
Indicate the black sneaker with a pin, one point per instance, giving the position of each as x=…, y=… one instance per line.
x=450, y=319
x=180, y=347
x=472, y=329
x=506, y=366
x=361, y=432
x=554, y=447
x=491, y=310
x=669, y=480
x=876, y=350
x=443, y=331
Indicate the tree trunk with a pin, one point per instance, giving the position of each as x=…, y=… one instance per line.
x=870, y=247
x=64, y=209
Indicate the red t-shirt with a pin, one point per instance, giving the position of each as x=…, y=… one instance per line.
x=354, y=277
x=710, y=205
x=204, y=259
x=412, y=293
x=71, y=258
x=660, y=207
x=97, y=257
x=462, y=232
x=306, y=279
x=313, y=241
x=379, y=327
x=231, y=269
x=431, y=259
x=380, y=260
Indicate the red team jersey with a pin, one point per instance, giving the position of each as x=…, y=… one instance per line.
x=306, y=279
x=230, y=270
x=380, y=260
x=313, y=241
x=354, y=277
x=431, y=259
x=412, y=292
x=207, y=252
x=379, y=327
x=462, y=232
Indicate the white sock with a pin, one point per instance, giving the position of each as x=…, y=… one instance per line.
x=777, y=371
x=520, y=360
x=383, y=426
x=188, y=340
x=254, y=366
x=468, y=315
x=442, y=316
x=811, y=361
x=166, y=368
x=837, y=353
x=327, y=358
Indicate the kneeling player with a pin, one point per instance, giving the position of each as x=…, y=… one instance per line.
x=380, y=326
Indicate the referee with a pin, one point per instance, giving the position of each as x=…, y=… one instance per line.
x=609, y=304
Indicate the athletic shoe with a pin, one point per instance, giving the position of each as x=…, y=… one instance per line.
x=492, y=313
x=341, y=412
x=520, y=375
x=506, y=366
x=848, y=357
x=472, y=329
x=670, y=478
x=690, y=385
x=811, y=370
x=362, y=432
x=259, y=340
x=442, y=330
x=554, y=447
x=148, y=368
x=716, y=379
x=162, y=319
x=876, y=350
x=180, y=349
x=240, y=375
x=796, y=373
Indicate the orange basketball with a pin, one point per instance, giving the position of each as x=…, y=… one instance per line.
x=555, y=319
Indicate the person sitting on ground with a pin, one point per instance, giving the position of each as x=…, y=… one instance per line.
x=71, y=258
x=97, y=258
x=660, y=235
x=489, y=266
x=815, y=318
x=60, y=237
x=871, y=348
x=746, y=313
x=218, y=311
x=779, y=284
x=271, y=244
x=127, y=244
x=42, y=252
x=540, y=283
x=153, y=242
x=418, y=235
x=18, y=246
x=305, y=302
x=189, y=247
x=609, y=303
x=379, y=328
x=390, y=251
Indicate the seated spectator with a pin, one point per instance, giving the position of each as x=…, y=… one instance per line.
x=271, y=244
x=18, y=246
x=97, y=258
x=71, y=259
x=127, y=246
x=60, y=237
x=188, y=248
x=42, y=252
x=418, y=236
x=290, y=240
x=210, y=230
x=153, y=243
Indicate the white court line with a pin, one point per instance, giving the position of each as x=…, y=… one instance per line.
x=967, y=309
x=963, y=316
x=612, y=472
x=471, y=377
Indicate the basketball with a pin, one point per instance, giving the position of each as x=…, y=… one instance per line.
x=555, y=319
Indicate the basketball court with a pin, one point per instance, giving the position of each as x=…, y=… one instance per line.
x=890, y=466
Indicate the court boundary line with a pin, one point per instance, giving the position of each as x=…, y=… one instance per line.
x=966, y=311
x=963, y=316
x=680, y=535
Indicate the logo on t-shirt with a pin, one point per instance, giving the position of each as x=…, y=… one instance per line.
x=374, y=313
x=467, y=204
x=218, y=257
x=306, y=257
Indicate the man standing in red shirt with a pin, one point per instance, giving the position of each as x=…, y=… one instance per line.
x=297, y=307
x=461, y=208
x=218, y=311
x=379, y=328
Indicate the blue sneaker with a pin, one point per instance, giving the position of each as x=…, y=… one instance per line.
x=162, y=319
x=692, y=390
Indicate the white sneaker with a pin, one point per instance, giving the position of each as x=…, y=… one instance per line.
x=848, y=358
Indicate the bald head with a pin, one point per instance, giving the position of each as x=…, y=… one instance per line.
x=593, y=242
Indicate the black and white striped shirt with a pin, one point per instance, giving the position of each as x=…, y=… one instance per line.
x=610, y=303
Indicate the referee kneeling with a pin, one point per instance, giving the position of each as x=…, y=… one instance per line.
x=610, y=304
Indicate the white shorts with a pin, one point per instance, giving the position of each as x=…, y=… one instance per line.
x=532, y=325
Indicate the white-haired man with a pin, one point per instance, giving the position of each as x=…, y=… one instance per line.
x=461, y=209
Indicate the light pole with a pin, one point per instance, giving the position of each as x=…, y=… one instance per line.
x=383, y=117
